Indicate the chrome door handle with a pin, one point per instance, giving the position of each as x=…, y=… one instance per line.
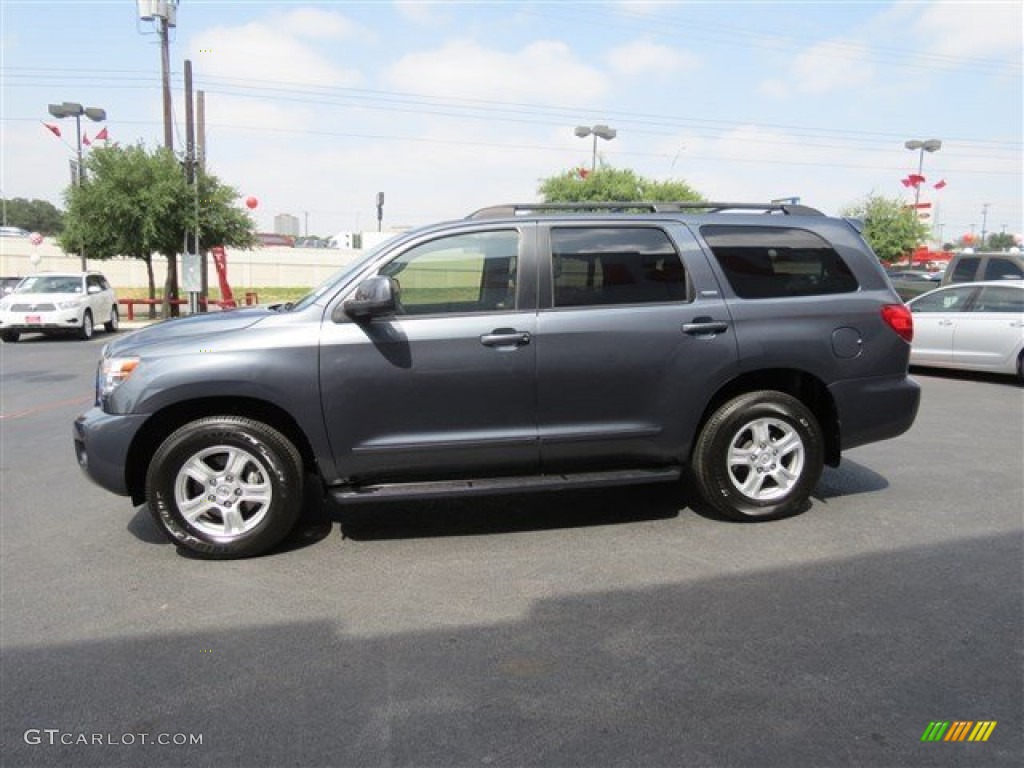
x=505, y=338
x=704, y=328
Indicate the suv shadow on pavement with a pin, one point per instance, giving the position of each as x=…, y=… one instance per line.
x=489, y=515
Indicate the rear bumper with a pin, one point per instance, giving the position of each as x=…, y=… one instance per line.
x=875, y=409
x=101, y=442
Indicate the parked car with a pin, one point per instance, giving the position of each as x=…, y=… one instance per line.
x=913, y=282
x=968, y=267
x=59, y=302
x=974, y=326
x=8, y=284
x=526, y=347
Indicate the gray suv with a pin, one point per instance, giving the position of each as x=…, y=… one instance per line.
x=526, y=347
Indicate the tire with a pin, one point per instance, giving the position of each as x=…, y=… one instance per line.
x=1020, y=367
x=86, y=331
x=759, y=457
x=10, y=337
x=225, y=487
x=114, y=322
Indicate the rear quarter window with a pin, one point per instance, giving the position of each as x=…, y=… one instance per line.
x=774, y=262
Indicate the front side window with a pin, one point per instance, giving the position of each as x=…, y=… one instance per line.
x=473, y=272
x=772, y=262
x=595, y=266
x=944, y=301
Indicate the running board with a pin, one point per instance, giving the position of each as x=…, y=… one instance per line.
x=495, y=485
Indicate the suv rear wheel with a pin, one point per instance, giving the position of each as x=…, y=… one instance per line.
x=759, y=456
x=225, y=487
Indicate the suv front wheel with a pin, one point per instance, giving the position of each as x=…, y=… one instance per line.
x=759, y=456
x=225, y=487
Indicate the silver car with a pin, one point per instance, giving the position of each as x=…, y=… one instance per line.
x=971, y=326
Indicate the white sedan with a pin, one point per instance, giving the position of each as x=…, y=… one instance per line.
x=973, y=326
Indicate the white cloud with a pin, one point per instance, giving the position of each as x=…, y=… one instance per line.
x=984, y=30
x=641, y=57
x=270, y=52
x=545, y=71
x=831, y=66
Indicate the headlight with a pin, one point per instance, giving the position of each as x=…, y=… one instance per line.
x=114, y=371
x=74, y=303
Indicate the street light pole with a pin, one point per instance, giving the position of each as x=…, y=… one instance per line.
x=603, y=131
x=931, y=145
x=75, y=110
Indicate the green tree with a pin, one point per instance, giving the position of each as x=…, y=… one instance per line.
x=999, y=241
x=892, y=230
x=39, y=216
x=608, y=184
x=135, y=203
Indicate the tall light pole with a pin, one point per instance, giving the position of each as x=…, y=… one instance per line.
x=75, y=110
x=602, y=131
x=931, y=145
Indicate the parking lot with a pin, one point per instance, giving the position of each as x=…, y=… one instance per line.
x=586, y=629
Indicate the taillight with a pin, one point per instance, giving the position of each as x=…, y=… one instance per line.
x=899, y=318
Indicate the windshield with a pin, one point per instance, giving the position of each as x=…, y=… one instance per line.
x=51, y=284
x=340, y=276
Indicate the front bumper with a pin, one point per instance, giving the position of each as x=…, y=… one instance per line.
x=101, y=442
x=27, y=322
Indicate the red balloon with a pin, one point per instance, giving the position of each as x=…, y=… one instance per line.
x=251, y=202
x=969, y=237
x=35, y=238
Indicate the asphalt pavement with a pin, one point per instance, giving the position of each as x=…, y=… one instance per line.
x=617, y=628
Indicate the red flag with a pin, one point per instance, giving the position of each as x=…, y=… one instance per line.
x=941, y=184
x=53, y=129
x=102, y=135
x=915, y=179
x=85, y=140
x=905, y=182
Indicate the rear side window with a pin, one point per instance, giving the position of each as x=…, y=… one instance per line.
x=964, y=270
x=594, y=266
x=772, y=262
x=999, y=299
x=1002, y=269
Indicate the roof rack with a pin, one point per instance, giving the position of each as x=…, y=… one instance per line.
x=519, y=209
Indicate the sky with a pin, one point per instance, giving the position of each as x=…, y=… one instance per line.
x=313, y=108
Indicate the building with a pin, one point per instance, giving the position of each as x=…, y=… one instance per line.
x=286, y=224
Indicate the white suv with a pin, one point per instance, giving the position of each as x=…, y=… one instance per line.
x=49, y=302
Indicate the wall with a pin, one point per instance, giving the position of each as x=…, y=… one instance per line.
x=246, y=269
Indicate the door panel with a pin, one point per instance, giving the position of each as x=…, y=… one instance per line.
x=445, y=387
x=620, y=382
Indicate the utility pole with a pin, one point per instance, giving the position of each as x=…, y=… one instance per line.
x=190, y=259
x=201, y=160
x=984, y=223
x=165, y=67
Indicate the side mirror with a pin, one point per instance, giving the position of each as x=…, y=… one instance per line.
x=373, y=297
